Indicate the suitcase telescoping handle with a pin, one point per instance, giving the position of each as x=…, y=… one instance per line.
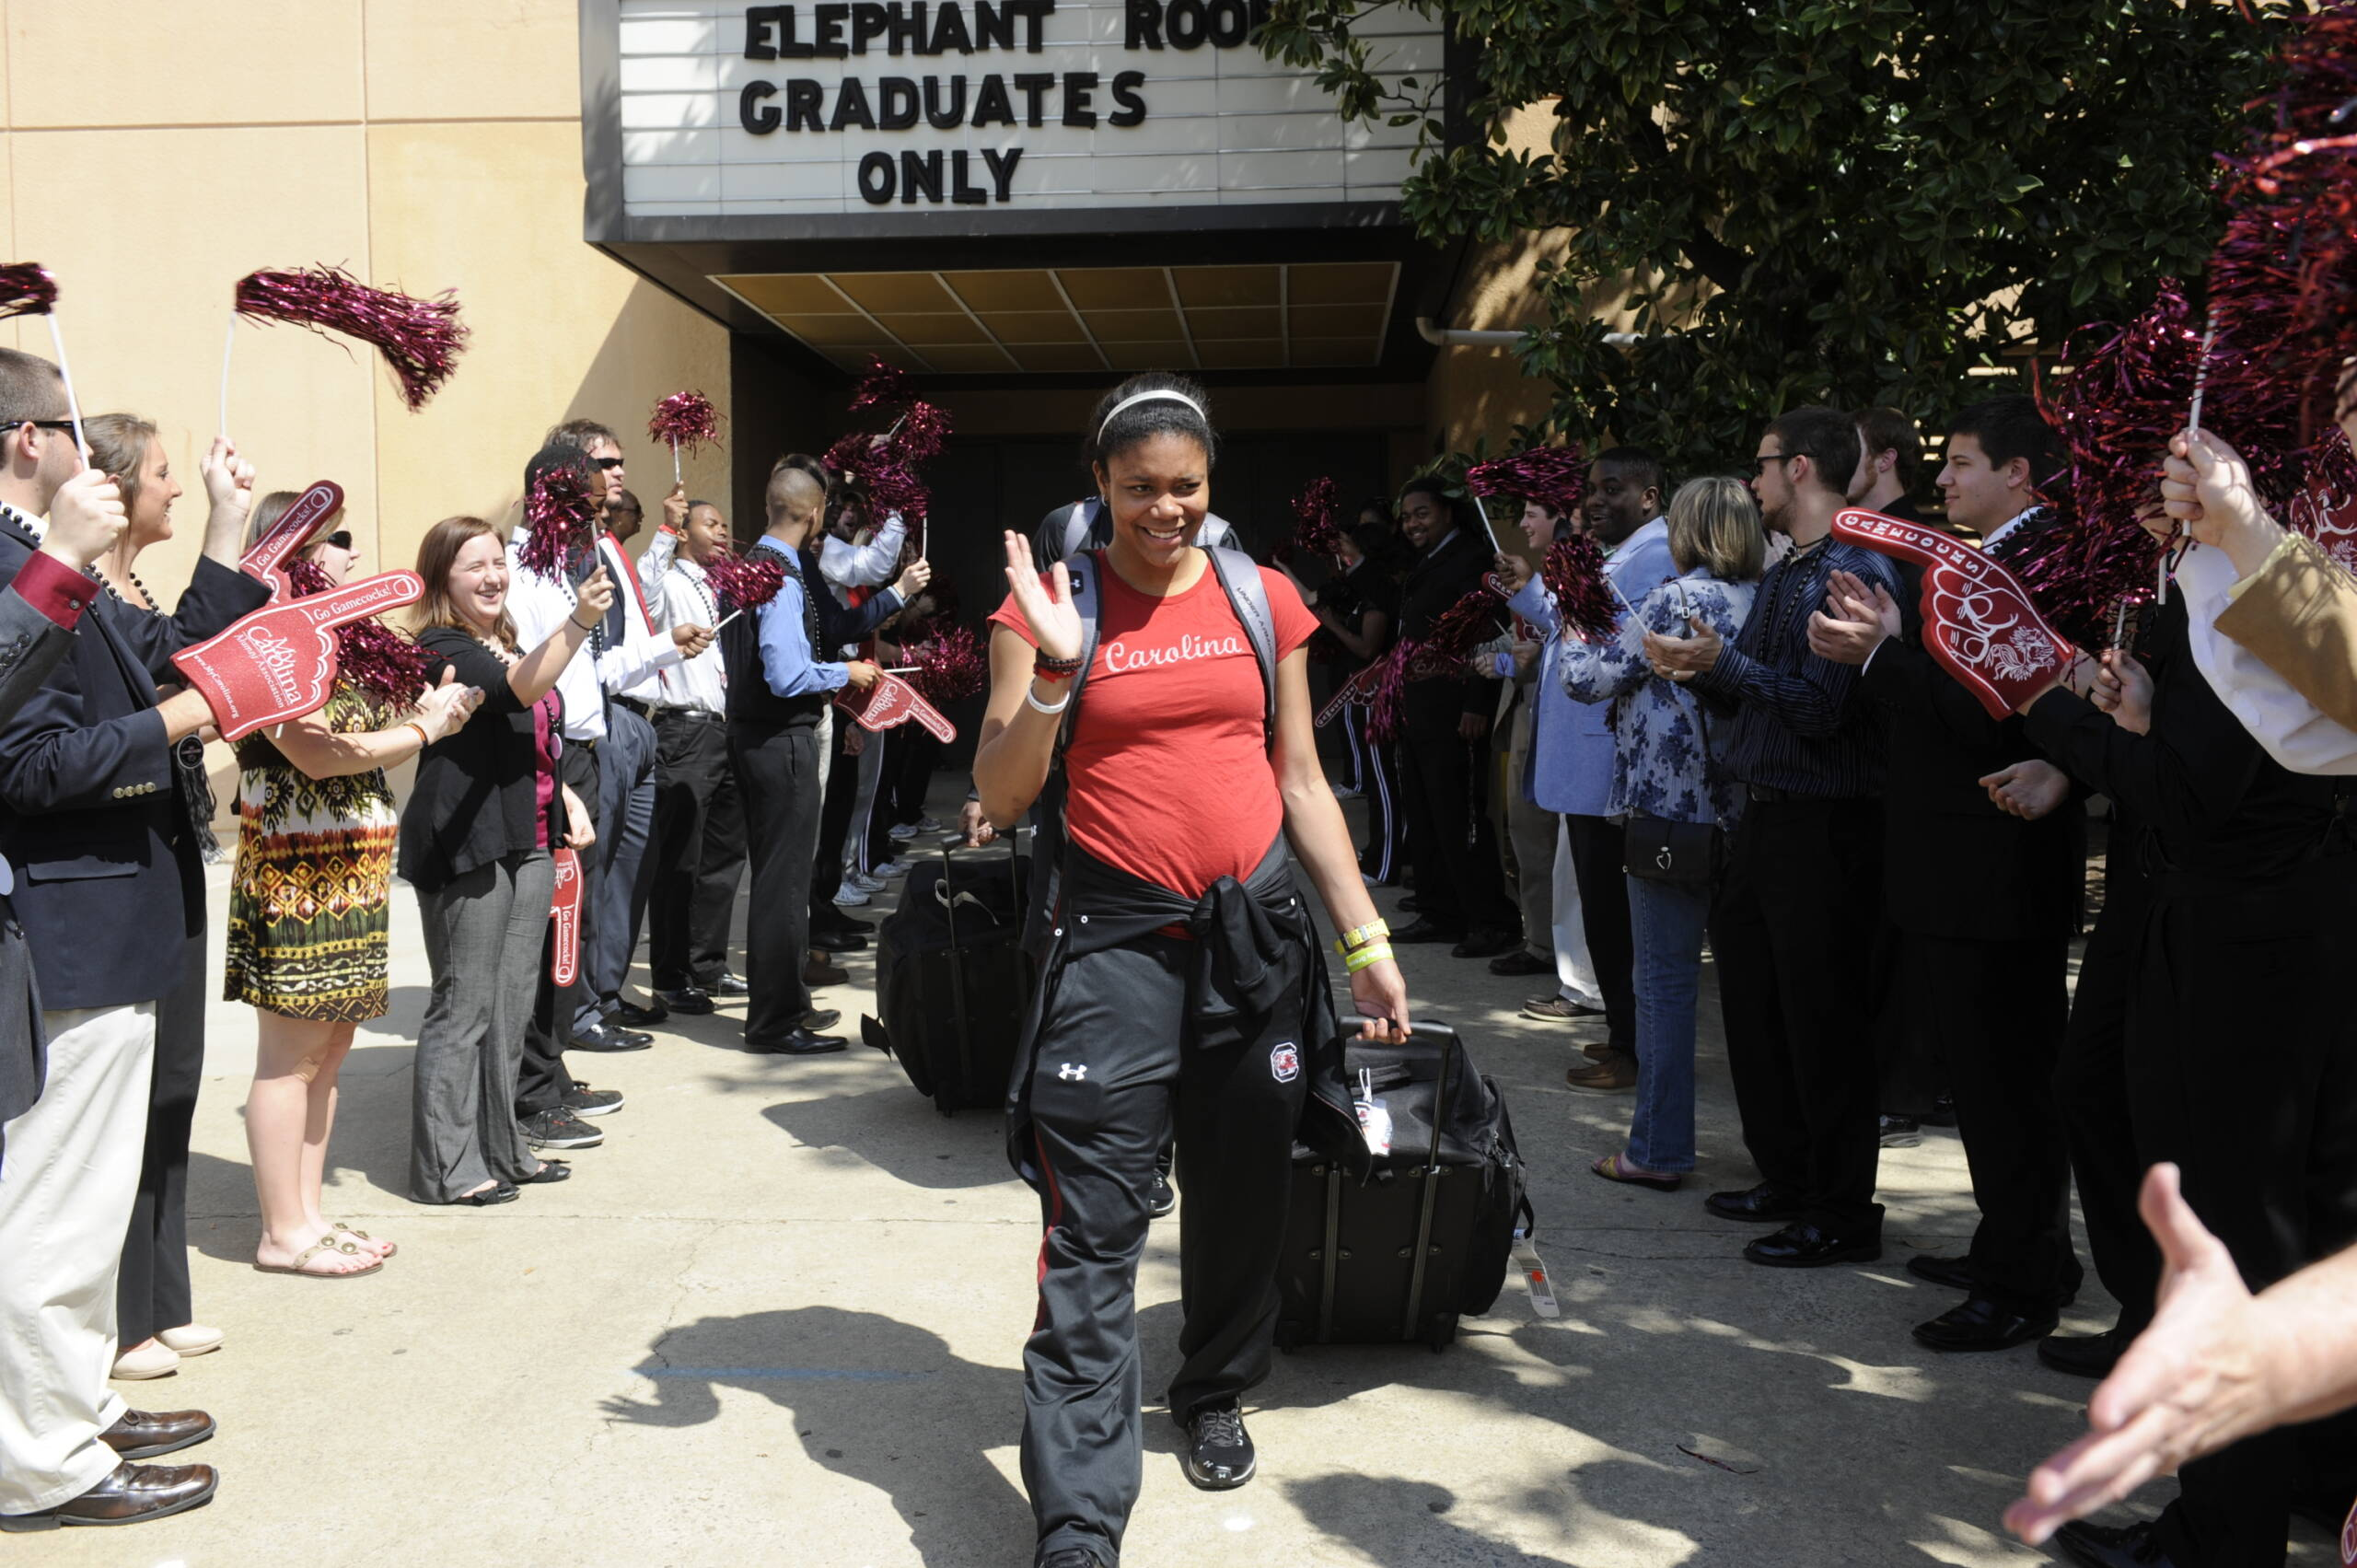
x=950, y=885
x=1411, y=1318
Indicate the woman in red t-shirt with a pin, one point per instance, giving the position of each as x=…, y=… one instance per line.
x=1182, y=976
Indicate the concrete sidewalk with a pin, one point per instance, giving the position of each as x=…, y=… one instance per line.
x=777, y=1319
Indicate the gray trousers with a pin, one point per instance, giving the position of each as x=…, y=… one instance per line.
x=485, y=934
x=1531, y=830
x=619, y=883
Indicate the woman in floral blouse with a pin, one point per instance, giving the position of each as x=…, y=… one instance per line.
x=1664, y=767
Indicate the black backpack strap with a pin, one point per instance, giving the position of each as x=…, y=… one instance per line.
x=1249, y=594
x=1086, y=603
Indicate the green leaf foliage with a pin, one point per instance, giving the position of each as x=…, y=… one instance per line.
x=1850, y=201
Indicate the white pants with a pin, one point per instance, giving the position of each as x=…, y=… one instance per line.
x=69, y=1174
x=1573, y=966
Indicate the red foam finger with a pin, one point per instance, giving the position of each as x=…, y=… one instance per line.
x=1979, y=623
x=289, y=536
x=280, y=662
x=564, y=910
x=891, y=703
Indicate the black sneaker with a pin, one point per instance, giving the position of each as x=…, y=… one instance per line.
x=1071, y=1557
x=557, y=1128
x=1160, y=1198
x=583, y=1100
x=1901, y=1132
x=1219, y=1451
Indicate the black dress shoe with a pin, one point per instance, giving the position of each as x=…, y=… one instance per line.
x=2101, y=1545
x=1766, y=1202
x=836, y=939
x=605, y=1037
x=834, y=918
x=1953, y=1272
x=130, y=1495
x=818, y=1020
x=1160, y=1196
x=801, y=1041
x=730, y=983
x=1982, y=1324
x=631, y=1015
x=1486, y=942
x=1219, y=1451
x=1424, y=929
x=2085, y=1355
x=143, y=1435
x=1801, y=1245
x=1521, y=961
x=689, y=1000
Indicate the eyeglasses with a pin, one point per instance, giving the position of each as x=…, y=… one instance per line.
x=37, y=424
x=607, y=462
x=1759, y=464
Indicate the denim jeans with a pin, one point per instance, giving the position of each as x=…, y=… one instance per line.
x=1667, y=922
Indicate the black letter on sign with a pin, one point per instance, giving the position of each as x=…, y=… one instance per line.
x=896, y=103
x=828, y=23
x=991, y=103
x=1002, y=170
x=876, y=179
x=949, y=31
x=806, y=105
x=869, y=21
x=1035, y=15
x=907, y=27
x=962, y=191
x=850, y=106
x=1078, y=85
x=1034, y=86
x=921, y=172
x=1230, y=22
x=1125, y=93
x=758, y=20
x=759, y=118
x=1143, y=28
x=1186, y=18
x=952, y=117
x=994, y=25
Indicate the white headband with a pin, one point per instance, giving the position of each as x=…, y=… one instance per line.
x=1147, y=397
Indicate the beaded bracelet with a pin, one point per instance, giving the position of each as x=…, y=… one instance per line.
x=1358, y=937
x=1048, y=668
x=1367, y=958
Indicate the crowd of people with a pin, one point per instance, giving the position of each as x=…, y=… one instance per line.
x=1762, y=755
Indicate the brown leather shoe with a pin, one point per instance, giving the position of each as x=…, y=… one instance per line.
x=142, y=1434
x=131, y=1495
x=1616, y=1073
x=817, y=970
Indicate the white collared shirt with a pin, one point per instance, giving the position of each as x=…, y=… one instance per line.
x=688, y=601
x=638, y=670
x=539, y=607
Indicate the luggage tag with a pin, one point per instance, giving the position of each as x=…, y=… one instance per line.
x=1374, y=1117
x=1534, y=1276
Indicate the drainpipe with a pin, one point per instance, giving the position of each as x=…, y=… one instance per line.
x=1472, y=337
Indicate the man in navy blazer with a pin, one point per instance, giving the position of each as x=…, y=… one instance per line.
x=110, y=892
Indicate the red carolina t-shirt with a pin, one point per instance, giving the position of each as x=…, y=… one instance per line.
x=1168, y=764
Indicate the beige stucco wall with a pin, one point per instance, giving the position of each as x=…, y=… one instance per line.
x=159, y=150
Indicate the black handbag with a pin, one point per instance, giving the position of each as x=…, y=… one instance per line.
x=1679, y=854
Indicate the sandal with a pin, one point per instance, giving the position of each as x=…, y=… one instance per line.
x=1615, y=1168
x=324, y=1244
x=551, y=1170
x=390, y=1247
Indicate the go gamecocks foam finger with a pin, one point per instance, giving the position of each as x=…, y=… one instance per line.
x=890, y=702
x=1979, y=623
x=279, y=663
x=564, y=909
x=288, y=536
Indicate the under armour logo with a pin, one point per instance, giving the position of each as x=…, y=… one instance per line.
x=1072, y=1074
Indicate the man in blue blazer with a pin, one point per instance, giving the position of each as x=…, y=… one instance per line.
x=110, y=892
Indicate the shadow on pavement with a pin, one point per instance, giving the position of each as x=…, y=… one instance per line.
x=897, y=1130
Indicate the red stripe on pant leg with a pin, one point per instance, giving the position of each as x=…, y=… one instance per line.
x=1055, y=1217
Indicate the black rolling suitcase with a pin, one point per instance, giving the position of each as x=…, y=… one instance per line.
x=951, y=980
x=1428, y=1238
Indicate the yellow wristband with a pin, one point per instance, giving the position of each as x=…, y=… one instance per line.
x=1358, y=937
x=1367, y=958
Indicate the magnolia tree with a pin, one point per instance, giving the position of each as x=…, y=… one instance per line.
x=1837, y=201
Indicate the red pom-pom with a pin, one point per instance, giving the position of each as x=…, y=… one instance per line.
x=921, y=432
x=1555, y=477
x=26, y=289
x=1318, y=529
x=369, y=653
x=879, y=475
x=560, y=520
x=419, y=338
x=949, y=666
x=1573, y=571
x=684, y=421
x=884, y=386
x=745, y=582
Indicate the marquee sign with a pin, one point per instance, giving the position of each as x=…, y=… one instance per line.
x=852, y=106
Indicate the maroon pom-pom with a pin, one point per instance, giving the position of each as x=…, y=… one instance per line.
x=419, y=338
x=1573, y=571
x=949, y=666
x=884, y=386
x=26, y=289
x=879, y=475
x=684, y=421
x=1555, y=477
x=369, y=653
x=560, y=520
x=921, y=432
x=745, y=582
x=1317, y=528
x=1441, y=651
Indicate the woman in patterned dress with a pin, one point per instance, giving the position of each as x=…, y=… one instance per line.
x=308, y=922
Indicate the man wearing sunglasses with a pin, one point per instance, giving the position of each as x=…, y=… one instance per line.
x=1796, y=917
